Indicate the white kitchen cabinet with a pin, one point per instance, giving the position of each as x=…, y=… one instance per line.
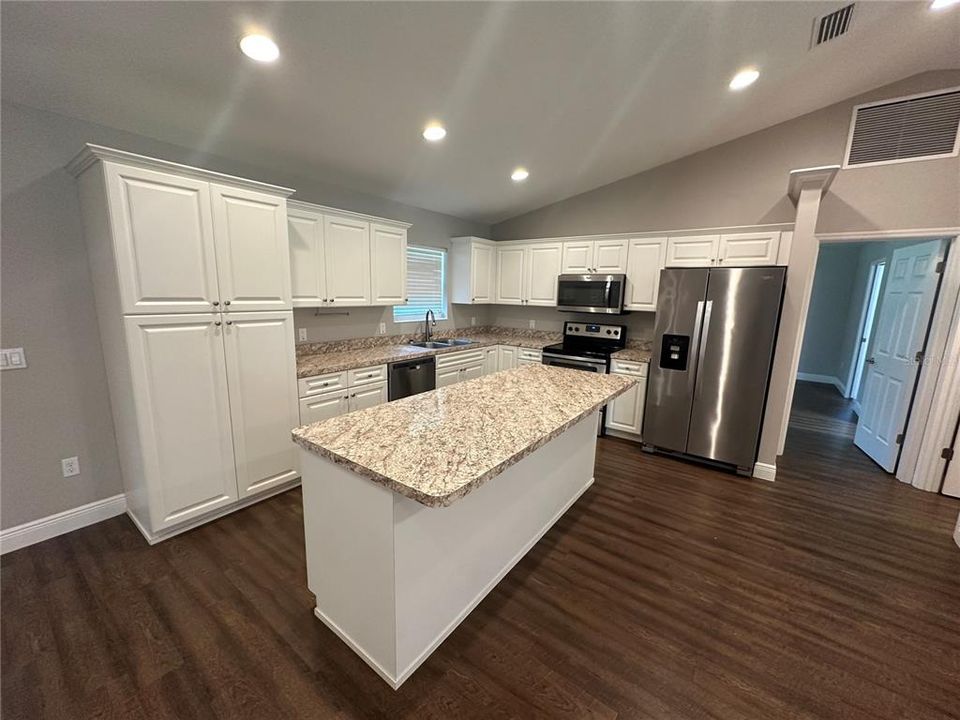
x=511, y=275
x=645, y=260
x=324, y=406
x=367, y=396
x=625, y=413
x=606, y=257
x=308, y=273
x=542, y=267
x=491, y=359
x=692, y=251
x=748, y=249
x=162, y=243
x=252, y=248
x=388, y=264
x=462, y=365
x=347, y=254
x=473, y=271
x=261, y=370
x=471, y=372
x=184, y=450
x=447, y=376
x=526, y=356
x=507, y=358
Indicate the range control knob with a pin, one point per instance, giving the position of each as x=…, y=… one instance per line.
x=609, y=332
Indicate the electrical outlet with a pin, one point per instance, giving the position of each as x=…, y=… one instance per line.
x=302, y=334
x=70, y=466
x=473, y=322
x=12, y=359
x=533, y=324
x=383, y=328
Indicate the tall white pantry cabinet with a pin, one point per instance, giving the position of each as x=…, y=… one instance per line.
x=191, y=276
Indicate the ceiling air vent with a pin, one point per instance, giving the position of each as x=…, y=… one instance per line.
x=832, y=26
x=913, y=128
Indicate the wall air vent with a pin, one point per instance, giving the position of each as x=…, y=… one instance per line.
x=830, y=27
x=919, y=127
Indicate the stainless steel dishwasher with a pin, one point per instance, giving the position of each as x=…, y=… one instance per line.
x=410, y=377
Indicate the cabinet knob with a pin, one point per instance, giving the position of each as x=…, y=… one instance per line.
x=226, y=302
x=217, y=323
x=216, y=302
x=229, y=322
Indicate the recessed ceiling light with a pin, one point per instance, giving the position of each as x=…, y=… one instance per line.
x=940, y=4
x=520, y=174
x=434, y=132
x=259, y=48
x=744, y=78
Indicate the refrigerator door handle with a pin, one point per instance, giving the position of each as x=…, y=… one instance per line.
x=702, y=343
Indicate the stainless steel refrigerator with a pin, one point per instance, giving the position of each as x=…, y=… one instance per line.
x=713, y=348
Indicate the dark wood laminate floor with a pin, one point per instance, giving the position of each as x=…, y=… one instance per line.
x=668, y=591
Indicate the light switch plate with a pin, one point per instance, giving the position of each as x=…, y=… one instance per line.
x=12, y=359
x=383, y=328
x=302, y=334
x=70, y=466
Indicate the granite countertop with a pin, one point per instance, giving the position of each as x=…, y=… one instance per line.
x=437, y=446
x=321, y=358
x=637, y=353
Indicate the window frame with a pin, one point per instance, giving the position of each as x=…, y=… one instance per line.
x=442, y=313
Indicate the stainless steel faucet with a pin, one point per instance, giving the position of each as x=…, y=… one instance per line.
x=430, y=318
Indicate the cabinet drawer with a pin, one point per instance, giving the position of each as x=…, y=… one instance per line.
x=317, y=384
x=629, y=367
x=362, y=376
x=530, y=355
x=323, y=406
x=464, y=357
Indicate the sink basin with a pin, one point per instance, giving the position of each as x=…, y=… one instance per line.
x=436, y=344
x=459, y=341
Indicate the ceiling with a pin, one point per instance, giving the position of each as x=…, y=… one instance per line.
x=581, y=93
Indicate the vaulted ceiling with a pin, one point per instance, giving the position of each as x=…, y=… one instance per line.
x=580, y=93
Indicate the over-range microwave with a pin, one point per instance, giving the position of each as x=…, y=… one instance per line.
x=591, y=293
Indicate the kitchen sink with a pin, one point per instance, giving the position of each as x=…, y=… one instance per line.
x=437, y=344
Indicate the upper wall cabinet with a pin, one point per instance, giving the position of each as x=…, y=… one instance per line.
x=733, y=250
x=186, y=245
x=340, y=259
x=473, y=271
x=253, y=260
x=646, y=257
x=594, y=256
x=527, y=274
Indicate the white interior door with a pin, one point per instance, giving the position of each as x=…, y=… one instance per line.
x=253, y=250
x=262, y=380
x=904, y=316
x=179, y=378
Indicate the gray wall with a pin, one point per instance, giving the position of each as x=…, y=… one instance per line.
x=743, y=182
x=59, y=405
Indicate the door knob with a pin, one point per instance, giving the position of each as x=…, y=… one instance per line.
x=871, y=361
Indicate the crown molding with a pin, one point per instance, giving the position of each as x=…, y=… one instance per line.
x=91, y=154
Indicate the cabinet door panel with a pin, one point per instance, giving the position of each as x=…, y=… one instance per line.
x=308, y=284
x=507, y=359
x=625, y=413
x=262, y=379
x=179, y=379
x=323, y=407
x=746, y=249
x=610, y=256
x=471, y=372
x=543, y=268
x=368, y=396
x=388, y=265
x=644, y=263
x=692, y=251
x=482, y=271
x=578, y=257
x=491, y=360
x=164, y=245
x=347, y=248
x=448, y=376
x=510, y=267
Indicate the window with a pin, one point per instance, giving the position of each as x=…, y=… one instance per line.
x=426, y=285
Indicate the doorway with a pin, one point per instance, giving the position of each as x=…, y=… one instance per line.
x=867, y=315
x=867, y=327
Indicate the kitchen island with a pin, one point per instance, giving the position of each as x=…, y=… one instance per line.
x=414, y=510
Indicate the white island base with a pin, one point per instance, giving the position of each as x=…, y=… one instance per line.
x=393, y=577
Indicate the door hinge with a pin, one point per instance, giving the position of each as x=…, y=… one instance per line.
x=947, y=453
x=940, y=267
x=919, y=356
x=899, y=440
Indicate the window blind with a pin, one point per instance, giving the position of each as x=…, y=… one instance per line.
x=426, y=285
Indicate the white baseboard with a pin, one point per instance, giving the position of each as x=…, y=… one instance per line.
x=765, y=471
x=63, y=522
x=825, y=380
